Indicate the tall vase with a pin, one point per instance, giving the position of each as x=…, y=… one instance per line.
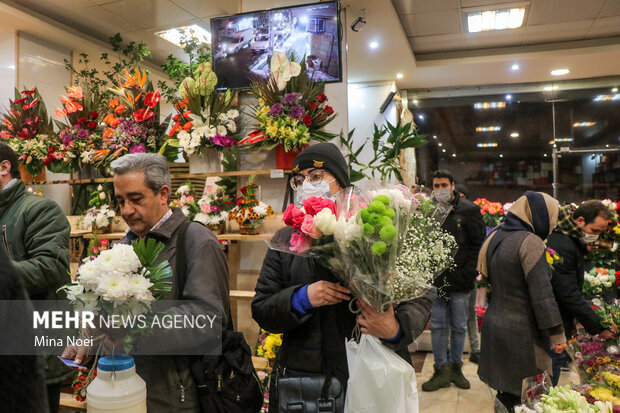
x=284, y=159
x=209, y=161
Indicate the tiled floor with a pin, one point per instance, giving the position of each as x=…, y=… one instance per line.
x=478, y=399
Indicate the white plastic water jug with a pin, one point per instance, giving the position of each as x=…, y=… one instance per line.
x=117, y=388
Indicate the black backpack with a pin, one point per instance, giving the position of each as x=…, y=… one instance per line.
x=227, y=383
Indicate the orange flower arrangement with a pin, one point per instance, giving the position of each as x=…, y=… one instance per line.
x=249, y=210
x=492, y=212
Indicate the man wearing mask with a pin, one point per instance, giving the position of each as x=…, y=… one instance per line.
x=35, y=236
x=577, y=227
x=450, y=310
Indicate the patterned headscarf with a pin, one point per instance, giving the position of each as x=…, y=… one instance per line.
x=566, y=223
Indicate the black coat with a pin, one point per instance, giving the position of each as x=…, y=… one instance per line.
x=567, y=283
x=282, y=275
x=465, y=224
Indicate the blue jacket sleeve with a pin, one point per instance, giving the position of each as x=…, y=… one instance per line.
x=300, y=301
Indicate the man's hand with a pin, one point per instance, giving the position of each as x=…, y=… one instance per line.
x=79, y=354
x=323, y=293
x=559, y=348
x=382, y=325
x=606, y=335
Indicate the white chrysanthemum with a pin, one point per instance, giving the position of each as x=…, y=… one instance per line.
x=89, y=275
x=202, y=218
x=232, y=113
x=221, y=130
x=75, y=290
x=211, y=132
x=121, y=258
x=325, y=221
x=138, y=285
x=261, y=209
x=114, y=287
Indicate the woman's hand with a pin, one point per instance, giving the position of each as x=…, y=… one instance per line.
x=323, y=293
x=382, y=325
x=559, y=348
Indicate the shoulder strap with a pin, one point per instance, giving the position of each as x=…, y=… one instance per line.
x=181, y=266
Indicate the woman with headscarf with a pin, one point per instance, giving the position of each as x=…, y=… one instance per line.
x=297, y=296
x=522, y=320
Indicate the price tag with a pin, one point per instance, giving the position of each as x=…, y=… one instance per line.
x=277, y=173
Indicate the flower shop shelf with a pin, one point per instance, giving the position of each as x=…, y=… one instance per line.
x=173, y=176
x=227, y=237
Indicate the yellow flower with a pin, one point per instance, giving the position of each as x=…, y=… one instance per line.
x=617, y=229
x=261, y=101
x=259, y=351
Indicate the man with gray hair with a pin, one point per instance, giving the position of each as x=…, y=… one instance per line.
x=142, y=185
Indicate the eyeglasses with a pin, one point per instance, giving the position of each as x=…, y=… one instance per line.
x=316, y=176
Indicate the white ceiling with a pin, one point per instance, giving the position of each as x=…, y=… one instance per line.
x=429, y=47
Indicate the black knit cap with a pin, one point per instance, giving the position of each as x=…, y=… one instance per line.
x=326, y=156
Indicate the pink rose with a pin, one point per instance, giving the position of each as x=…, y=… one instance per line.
x=300, y=243
x=205, y=208
x=190, y=198
x=314, y=205
x=307, y=227
x=293, y=217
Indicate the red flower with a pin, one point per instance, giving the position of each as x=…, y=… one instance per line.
x=92, y=125
x=244, y=190
x=312, y=105
x=176, y=118
x=328, y=110
x=152, y=99
x=93, y=115
x=143, y=114
x=20, y=101
x=307, y=120
x=82, y=121
x=321, y=97
x=293, y=217
x=314, y=205
x=29, y=91
x=31, y=104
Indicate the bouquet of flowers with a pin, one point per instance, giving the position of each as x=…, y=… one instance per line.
x=79, y=135
x=292, y=109
x=99, y=215
x=598, y=279
x=134, y=121
x=609, y=314
x=492, y=212
x=29, y=132
x=553, y=257
x=125, y=279
x=206, y=118
x=534, y=388
x=214, y=206
x=186, y=201
x=250, y=212
x=268, y=344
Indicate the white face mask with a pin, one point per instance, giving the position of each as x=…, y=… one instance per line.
x=308, y=190
x=443, y=196
x=589, y=238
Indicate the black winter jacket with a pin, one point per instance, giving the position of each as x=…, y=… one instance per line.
x=282, y=275
x=567, y=283
x=467, y=227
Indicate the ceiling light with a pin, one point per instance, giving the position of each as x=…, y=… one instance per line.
x=373, y=45
x=548, y=88
x=178, y=34
x=399, y=75
x=440, y=144
x=443, y=150
x=363, y=106
x=514, y=135
x=515, y=67
x=614, y=90
x=488, y=128
x=559, y=140
x=454, y=155
x=415, y=101
x=600, y=98
x=489, y=105
x=434, y=136
x=508, y=97
x=487, y=145
x=501, y=155
x=421, y=117
x=560, y=72
x=501, y=19
x=583, y=124
x=545, y=155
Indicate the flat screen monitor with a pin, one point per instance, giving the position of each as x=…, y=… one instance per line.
x=244, y=43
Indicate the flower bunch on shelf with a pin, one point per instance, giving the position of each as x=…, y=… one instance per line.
x=79, y=134
x=185, y=199
x=29, y=132
x=250, y=211
x=492, y=212
x=214, y=206
x=292, y=108
x=133, y=123
x=100, y=215
x=597, y=280
x=268, y=344
x=206, y=118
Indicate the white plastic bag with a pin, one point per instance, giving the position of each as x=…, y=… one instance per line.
x=379, y=379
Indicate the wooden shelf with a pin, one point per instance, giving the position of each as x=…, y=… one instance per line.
x=241, y=294
x=173, y=176
x=110, y=235
x=239, y=237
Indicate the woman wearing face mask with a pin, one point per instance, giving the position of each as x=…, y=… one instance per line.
x=522, y=321
x=305, y=301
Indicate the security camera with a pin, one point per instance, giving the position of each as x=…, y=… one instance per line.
x=358, y=24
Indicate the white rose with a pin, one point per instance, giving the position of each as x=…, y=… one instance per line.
x=102, y=195
x=233, y=113
x=325, y=221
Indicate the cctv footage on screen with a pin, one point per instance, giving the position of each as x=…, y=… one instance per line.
x=243, y=44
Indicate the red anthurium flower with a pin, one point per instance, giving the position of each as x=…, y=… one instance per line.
x=143, y=114
x=31, y=104
x=307, y=120
x=29, y=91
x=60, y=113
x=152, y=99
x=20, y=101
